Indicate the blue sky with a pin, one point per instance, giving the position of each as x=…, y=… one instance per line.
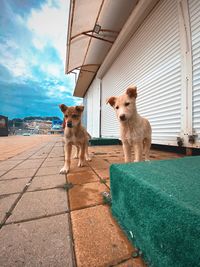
x=32, y=58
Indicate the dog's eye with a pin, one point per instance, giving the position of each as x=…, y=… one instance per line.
x=127, y=104
x=117, y=107
x=66, y=116
x=75, y=116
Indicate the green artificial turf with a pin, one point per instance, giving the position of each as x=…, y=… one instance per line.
x=157, y=203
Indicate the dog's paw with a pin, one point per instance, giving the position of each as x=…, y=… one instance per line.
x=80, y=163
x=64, y=170
x=88, y=159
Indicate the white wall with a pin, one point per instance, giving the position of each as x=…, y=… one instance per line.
x=93, y=108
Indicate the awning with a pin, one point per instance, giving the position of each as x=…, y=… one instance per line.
x=93, y=27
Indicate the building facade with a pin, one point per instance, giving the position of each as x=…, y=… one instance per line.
x=158, y=50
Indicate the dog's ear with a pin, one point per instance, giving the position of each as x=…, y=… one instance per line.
x=79, y=108
x=111, y=100
x=132, y=91
x=63, y=107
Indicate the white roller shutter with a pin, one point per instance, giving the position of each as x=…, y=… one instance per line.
x=152, y=61
x=194, y=9
x=93, y=108
x=84, y=116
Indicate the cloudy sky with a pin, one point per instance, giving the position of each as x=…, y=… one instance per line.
x=32, y=57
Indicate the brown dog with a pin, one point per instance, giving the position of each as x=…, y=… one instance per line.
x=74, y=134
x=135, y=130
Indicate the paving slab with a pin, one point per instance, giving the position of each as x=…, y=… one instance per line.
x=74, y=169
x=44, y=242
x=39, y=156
x=98, y=163
x=55, y=155
x=54, y=159
x=86, y=195
x=48, y=170
x=13, y=161
x=40, y=203
x=82, y=177
x=30, y=163
x=57, y=152
x=23, y=156
x=137, y=262
x=15, y=173
x=18, y=145
x=113, y=160
x=6, y=202
x=74, y=165
x=58, y=163
x=12, y=186
x=2, y=172
x=98, y=239
x=7, y=165
x=103, y=173
x=47, y=181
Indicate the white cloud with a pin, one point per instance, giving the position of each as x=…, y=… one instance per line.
x=60, y=91
x=62, y=88
x=38, y=43
x=51, y=70
x=17, y=66
x=49, y=24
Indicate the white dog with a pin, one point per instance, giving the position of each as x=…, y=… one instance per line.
x=135, y=130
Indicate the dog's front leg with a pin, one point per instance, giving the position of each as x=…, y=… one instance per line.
x=87, y=157
x=68, y=150
x=82, y=156
x=127, y=151
x=76, y=152
x=138, y=147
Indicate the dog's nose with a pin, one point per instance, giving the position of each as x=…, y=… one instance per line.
x=69, y=124
x=122, y=117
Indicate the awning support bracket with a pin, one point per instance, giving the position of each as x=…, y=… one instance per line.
x=99, y=38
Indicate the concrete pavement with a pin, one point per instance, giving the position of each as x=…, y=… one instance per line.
x=49, y=219
x=34, y=213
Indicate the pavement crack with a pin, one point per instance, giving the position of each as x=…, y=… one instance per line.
x=37, y=218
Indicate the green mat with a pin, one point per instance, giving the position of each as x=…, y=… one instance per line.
x=157, y=203
x=104, y=141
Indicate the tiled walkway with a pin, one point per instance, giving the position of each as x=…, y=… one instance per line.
x=49, y=219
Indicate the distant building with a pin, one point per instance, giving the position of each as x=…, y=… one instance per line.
x=3, y=125
x=35, y=127
x=57, y=126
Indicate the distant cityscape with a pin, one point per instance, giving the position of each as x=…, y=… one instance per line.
x=35, y=125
